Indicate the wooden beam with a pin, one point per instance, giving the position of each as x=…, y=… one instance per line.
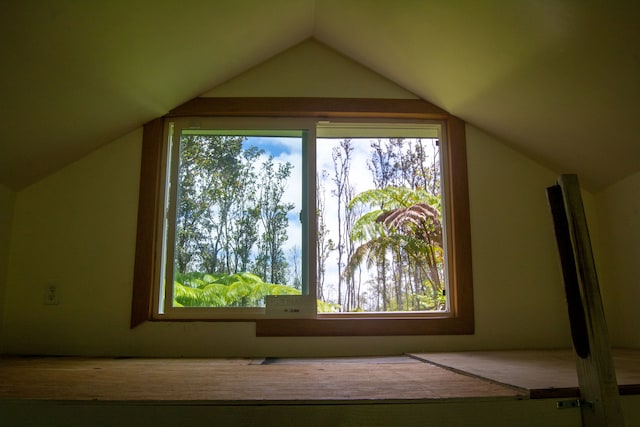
x=148, y=222
x=310, y=107
x=596, y=372
x=367, y=326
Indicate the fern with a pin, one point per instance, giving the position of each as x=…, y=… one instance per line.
x=196, y=289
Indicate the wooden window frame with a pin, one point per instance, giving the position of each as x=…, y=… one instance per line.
x=458, y=320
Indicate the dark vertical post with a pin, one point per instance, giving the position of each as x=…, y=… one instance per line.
x=596, y=373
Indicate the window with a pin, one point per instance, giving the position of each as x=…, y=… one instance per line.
x=356, y=210
x=233, y=228
x=380, y=240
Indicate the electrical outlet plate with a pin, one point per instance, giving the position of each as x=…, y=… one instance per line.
x=290, y=306
x=51, y=294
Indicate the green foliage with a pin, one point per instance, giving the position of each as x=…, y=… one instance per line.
x=211, y=174
x=403, y=225
x=395, y=197
x=328, y=307
x=231, y=290
x=271, y=262
x=431, y=302
x=196, y=289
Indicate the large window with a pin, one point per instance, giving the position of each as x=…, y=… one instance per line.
x=309, y=217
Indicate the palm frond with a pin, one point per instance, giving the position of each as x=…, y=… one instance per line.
x=366, y=226
x=215, y=295
x=420, y=220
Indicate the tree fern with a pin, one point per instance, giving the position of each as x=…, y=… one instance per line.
x=404, y=224
x=225, y=290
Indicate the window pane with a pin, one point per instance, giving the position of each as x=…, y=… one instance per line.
x=237, y=226
x=380, y=226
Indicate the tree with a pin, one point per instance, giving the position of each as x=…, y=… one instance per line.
x=295, y=273
x=198, y=176
x=406, y=162
x=402, y=163
x=242, y=220
x=324, y=244
x=230, y=216
x=215, y=220
x=271, y=262
x=343, y=191
x=402, y=226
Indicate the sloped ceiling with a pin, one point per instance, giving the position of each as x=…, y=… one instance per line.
x=557, y=80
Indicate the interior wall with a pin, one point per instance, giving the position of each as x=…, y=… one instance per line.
x=310, y=69
x=74, y=230
x=618, y=208
x=7, y=199
x=517, y=278
x=77, y=229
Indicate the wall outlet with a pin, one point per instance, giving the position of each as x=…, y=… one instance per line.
x=51, y=294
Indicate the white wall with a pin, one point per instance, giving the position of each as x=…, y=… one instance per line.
x=618, y=208
x=76, y=228
x=310, y=69
x=7, y=199
x=517, y=278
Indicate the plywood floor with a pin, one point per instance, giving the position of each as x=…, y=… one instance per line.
x=240, y=380
x=412, y=378
x=544, y=373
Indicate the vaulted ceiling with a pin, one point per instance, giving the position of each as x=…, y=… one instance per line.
x=558, y=80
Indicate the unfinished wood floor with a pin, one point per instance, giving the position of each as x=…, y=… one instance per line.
x=544, y=373
x=420, y=377
x=239, y=380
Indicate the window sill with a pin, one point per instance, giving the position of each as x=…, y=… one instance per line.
x=365, y=326
x=349, y=326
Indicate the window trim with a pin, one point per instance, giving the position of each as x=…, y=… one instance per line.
x=460, y=318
